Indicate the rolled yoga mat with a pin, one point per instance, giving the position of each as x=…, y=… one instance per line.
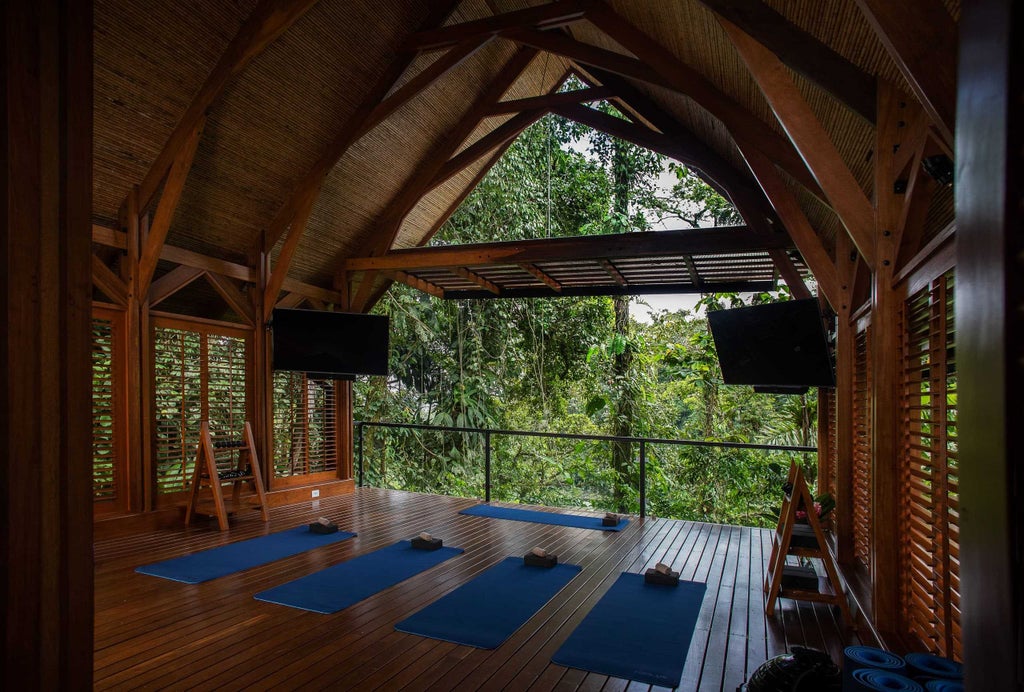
x=874, y=680
x=487, y=610
x=858, y=657
x=536, y=517
x=923, y=667
x=944, y=686
x=235, y=557
x=345, y=584
x=636, y=631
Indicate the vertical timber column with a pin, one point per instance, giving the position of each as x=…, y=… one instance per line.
x=262, y=380
x=885, y=363
x=344, y=412
x=990, y=336
x=846, y=265
x=45, y=296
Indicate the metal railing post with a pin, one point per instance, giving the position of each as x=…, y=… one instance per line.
x=487, y=466
x=359, y=434
x=643, y=478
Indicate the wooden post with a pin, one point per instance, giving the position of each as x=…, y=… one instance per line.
x=990, y=336
x=885, y=363
x=262, y=374
x=846, y=262
x=45, y=361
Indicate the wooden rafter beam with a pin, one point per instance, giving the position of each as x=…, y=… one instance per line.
x=921, y=38
x=417, y=283
x=291, y=300
x=807, y=240
x=267, y=21
x=284, y=258
x=610, y=269
x=788, y=272
x=500, y=135
x=311, y=291
x=109, y=282
x=233, y=296
x=480, y=281
x=549, y=101
x=810, y=138
x=375, y=106
x=542, y=276
x=722, y=240
x=803, y=53
x=548, y=16
x=172, y=282
x=385, y=231
x=173, y=187
x=660, y=66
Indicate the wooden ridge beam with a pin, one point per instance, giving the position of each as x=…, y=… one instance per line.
x=549, y=101
x=417, y=283
x=109, y=282
x=803, y=53
x=722, y=240
x=370, y=112
x=921, y=38
x=268, y=20
x=552, y=15
x=173, y=187
x=172, y=282
x=612, y=271
x=807, y=240
x=233, y=296
x=480, y=281
x=500, y=135
x=810, y=138
x=541, y=275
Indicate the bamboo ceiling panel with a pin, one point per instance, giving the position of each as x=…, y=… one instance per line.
x=150, y=58
x=274, y=120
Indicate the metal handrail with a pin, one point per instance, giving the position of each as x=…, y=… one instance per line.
x=643, y=442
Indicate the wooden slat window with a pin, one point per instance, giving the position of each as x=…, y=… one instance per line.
x=109, y=475
x=831, y=451
x=199, y=373
x=930, y=540
x=305, y=429
x=862, y=448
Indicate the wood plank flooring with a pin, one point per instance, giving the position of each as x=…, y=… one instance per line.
x=156, y=634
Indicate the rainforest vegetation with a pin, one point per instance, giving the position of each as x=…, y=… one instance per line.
x=577, y=365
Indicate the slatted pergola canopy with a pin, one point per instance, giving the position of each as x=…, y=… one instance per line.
x=679, y=261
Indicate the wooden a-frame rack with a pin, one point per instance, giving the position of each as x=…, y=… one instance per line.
x=207, y=476
x=829, y=590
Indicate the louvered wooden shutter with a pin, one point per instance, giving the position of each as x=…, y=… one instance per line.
x=108, y=412
x=200, y=373
x=930, y=550
x=305, y=429
x=831, y=451
x=862, y=448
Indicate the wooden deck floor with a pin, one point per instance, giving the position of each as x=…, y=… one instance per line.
x=157, y=634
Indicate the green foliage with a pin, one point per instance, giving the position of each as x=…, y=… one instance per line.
x=557, y=364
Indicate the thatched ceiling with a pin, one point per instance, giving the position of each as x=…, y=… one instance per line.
x=275, y=118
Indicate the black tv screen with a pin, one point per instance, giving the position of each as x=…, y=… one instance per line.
x=773, y=345
x=330, y=344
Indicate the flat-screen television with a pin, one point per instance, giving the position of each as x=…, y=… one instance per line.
x=778, y=345
x=330, y=344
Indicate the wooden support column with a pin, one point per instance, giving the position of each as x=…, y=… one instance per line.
x=846, y=265
x=990, y=341
x=344, y=419
x=262, y=374
x=885, y=345
x=45, y=348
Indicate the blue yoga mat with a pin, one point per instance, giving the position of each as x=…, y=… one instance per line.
x=345, y=584
x=574, y=520
x=487, y=610
x=235, y=557
x=636, y=631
